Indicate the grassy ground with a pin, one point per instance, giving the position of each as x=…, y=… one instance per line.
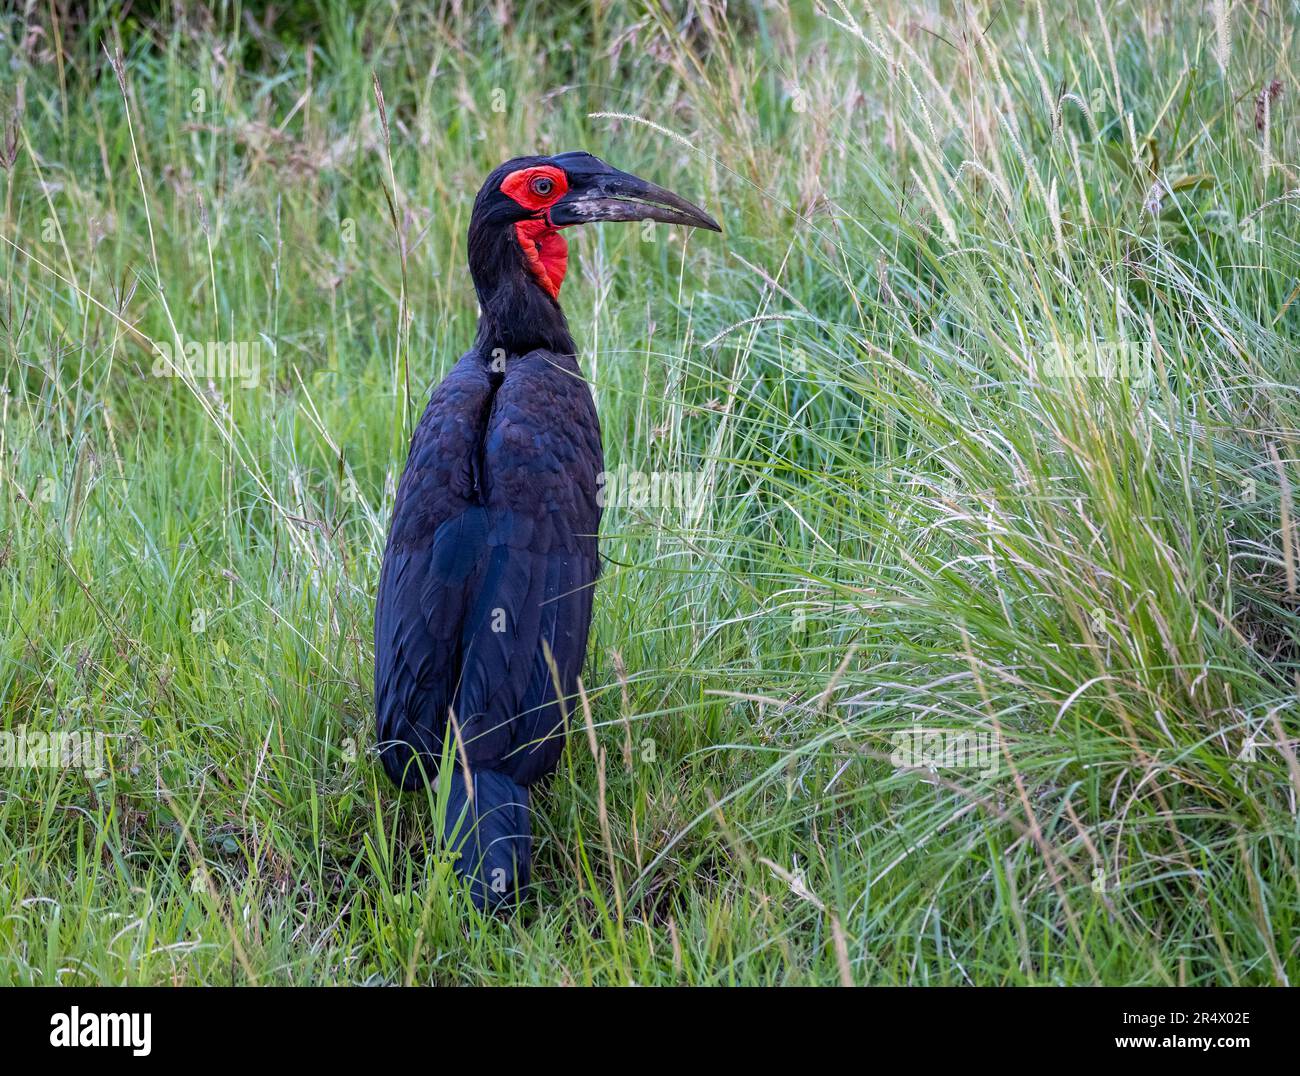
x=990, y=387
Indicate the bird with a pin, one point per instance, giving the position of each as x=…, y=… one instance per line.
x=485, y=589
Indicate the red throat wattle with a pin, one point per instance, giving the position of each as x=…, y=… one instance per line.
x=545, y=252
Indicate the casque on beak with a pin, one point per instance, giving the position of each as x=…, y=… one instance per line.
x=615, y=195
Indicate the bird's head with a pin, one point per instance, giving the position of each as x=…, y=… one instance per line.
x=514, y=232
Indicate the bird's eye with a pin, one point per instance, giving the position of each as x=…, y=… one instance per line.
x=543, y=185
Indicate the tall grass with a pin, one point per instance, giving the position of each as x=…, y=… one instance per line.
x=930, y=505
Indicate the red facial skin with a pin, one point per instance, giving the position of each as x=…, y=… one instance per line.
x=545, y=251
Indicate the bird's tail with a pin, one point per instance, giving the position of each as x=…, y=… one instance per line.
x=493, y=836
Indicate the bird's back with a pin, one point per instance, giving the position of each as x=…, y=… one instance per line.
x=486, y=587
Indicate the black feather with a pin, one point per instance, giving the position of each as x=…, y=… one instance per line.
x=490, y=565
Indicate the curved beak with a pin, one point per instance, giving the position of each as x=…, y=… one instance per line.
x=615, y=195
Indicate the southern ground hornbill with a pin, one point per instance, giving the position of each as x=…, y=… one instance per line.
x=485, y=591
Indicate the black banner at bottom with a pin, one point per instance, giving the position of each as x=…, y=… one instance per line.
x=143, y=1025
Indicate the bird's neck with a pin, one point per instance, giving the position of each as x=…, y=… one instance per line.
x=516, y=314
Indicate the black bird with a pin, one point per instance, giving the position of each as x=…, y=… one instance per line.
x=486, y=587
